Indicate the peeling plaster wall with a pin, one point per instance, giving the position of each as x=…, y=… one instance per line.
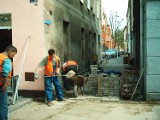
x=78, y=17
x=28, y=21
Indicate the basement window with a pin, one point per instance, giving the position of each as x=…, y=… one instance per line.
x=33, y=1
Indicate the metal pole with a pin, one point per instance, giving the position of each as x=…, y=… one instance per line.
x=21, y=67
x=137, y=84
x=50, y=76
x=117, y=52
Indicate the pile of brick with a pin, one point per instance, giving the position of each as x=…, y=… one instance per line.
x=102, y=85
x=90, y=88
x=109, y=86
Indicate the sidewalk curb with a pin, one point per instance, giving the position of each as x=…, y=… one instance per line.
x=19, y=104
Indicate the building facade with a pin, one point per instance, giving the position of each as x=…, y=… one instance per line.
x=143, y=30
x=107, y=40
x=70, y=27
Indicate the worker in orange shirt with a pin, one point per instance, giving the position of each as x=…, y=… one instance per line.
x=67, y=66
x=5, y=75
x=51, y=65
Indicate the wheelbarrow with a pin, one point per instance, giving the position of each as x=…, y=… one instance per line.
x=77, y=81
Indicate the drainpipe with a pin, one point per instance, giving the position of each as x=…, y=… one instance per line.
x=142, y=68
x=141, y=36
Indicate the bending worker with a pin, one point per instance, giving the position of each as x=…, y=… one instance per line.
x=5, y=75
x=67, y=66
x=51, y=64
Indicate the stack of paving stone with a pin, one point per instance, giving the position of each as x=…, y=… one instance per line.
x=94, y=69
x=90, y=88
x=110, y=86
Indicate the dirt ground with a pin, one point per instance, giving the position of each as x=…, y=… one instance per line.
x=87, y=109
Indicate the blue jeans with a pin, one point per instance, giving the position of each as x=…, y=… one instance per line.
x=49, y=89
x=3, y=105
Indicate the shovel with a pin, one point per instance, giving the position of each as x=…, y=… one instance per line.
x=70, y=74
x=30, y=76
x=39, y=77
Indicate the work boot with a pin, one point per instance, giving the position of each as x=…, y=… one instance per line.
x=61, y=99
x=49, y=103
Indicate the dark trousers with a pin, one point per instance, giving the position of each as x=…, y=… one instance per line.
x=3, y=105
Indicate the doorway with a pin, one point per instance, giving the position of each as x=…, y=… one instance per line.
x=5, y=39
x=5, y=31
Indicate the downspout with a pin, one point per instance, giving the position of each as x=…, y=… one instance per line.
x=142, y=68
x=141, y=36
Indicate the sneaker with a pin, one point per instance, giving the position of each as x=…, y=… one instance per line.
x=49, y=103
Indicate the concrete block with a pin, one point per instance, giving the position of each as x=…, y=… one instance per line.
x=105, y=94
x=94, y=66
x=152, y=29
x=116, y=87
x=153, y=10
x=94, y=72
x=153, y=96
x=152, y=67
x=153, y=83
x=152, y=48
x=92, y=75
